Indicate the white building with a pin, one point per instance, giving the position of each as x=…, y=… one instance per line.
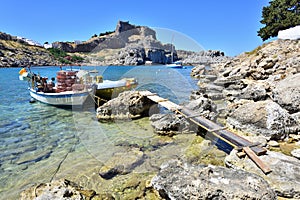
x=47, y=46
x=290, y=34
x=29, y=41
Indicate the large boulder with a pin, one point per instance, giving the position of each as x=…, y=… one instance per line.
x=177, y=180
x=263, y=117
x=287, y=93
x=284, y=178
x=169, y=124
x=255, y=91
x=128, y=105
x=203, y=106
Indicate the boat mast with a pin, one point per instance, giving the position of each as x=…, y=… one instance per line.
x=172, y=53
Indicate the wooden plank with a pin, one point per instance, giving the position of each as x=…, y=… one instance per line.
x=208, y=125
x=256, y=160
x=217, y=130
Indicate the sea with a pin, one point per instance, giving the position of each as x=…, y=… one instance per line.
x=40, y=143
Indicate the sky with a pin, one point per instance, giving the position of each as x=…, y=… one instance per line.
x=230, y=26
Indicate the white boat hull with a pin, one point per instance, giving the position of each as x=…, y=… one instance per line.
x=68, y=98
x=174, y=66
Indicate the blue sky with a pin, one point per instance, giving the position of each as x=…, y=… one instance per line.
x=230, y=26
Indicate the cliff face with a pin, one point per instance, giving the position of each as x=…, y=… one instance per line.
x=15, y=53
x=135, y=45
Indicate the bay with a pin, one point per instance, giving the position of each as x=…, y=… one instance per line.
x=36, y=138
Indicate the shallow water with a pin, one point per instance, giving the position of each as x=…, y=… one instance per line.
x=36, y=139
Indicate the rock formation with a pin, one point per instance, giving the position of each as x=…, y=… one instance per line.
x=262, y=117
x=203, y=57
x=121, y=163
x=284, y=178
x=127, y=45
x=267, y=77
x=257, y=93
x=61, y=189
x=178, y=180
x=135, y=45
x=128, y=105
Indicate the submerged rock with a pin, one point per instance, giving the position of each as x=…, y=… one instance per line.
x=285, y=175
x=128, y=105
x=262, y=117
x=177, y=180
x=61, y=189
x=121, y=163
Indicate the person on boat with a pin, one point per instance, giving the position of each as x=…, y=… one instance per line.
x=22, y=71
x=52, y=81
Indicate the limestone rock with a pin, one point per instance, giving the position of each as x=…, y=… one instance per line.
x=169, y=124
x=203, y=106
x=203, y=57
x=296, y=153
x=177, y=180
x=284, y=178
x=128, y=105
x=61, y=189
x=254, y=92
x=263, y=117
x=122, y=163
x=198, y=70
x=287, y=93
x=273, y=143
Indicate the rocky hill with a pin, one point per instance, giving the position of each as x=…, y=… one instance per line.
x=267, y=76
x=127, y=45
x=15, y=52
x=134, y=45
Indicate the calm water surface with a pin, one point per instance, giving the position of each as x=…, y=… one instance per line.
x=36, y=138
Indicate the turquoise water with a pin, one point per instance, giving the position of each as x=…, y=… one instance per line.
x=36, y=138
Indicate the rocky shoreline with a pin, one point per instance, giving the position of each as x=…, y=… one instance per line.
x=255, y=94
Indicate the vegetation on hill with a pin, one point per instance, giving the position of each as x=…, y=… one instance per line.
x=63, y=57
x=106, y=33
x=279, y=15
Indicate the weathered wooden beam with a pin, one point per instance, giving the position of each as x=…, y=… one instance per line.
x=235, y=140
x=227, y=136
x=257, y=160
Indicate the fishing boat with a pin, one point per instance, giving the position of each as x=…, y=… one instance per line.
x=108, y=89
x=174, y=64
x=68, y=98
x=68, y=91
x=177, y=64
x=72, y=88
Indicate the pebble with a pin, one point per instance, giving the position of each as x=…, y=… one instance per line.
x=273, y=143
